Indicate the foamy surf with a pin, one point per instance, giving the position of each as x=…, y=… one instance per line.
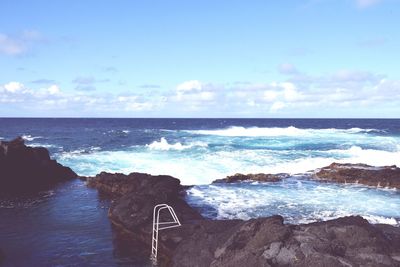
x=238, y=131
x=298, y=200
x=164, y=145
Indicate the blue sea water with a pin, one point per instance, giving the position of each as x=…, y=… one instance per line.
x=197, y=151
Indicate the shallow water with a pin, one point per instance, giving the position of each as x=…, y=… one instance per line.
x=297, y=199
x=67, y=226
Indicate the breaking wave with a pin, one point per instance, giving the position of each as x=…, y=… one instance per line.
x=298, y=200
x=238, y=131
x=164, y=145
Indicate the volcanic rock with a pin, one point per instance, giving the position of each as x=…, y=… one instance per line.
x=348, y=241
x=1, y=256
x=24, y=168
x=386, y=176
x=259, y=177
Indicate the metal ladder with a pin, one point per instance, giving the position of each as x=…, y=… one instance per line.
x=157, y=226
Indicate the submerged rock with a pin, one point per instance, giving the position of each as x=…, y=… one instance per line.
x=348, y=241
x=386, y=176
x=24, y=168
x=259, y=177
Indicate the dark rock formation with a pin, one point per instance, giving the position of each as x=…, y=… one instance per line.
x=24, y=168
x=349, y=241
x=136, y=195
x=386, y=176
x=259, y=177
x=1, y=257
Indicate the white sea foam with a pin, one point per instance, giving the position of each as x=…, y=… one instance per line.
x=164, y=145
x=238, y=131
x=204, y=166
x=302, y=202
x=29, y=137
x=41, y=145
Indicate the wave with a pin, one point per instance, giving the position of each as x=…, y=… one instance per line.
x=204, y=166
x=42, y=145
x=238, y=131
x=29, y=137
x=297, y=200
x=164, y=145
x=373, y=157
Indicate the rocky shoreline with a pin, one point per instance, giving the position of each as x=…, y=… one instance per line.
x=347, y=241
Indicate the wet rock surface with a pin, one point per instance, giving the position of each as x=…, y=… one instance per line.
x=25, y=169
x=1, y=256
x=259, y=177
x=386, y=176
x=348, y=241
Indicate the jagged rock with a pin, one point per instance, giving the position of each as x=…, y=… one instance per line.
x=386, y=176
x=24, y=168
x=136, y=195
x=348, y=241
x=259, y=177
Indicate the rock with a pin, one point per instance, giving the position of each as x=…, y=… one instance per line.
x=386, y=176
x=348, y=241
x=1, y=256
x=136, y=194
x=259, y=177
x=24, y=168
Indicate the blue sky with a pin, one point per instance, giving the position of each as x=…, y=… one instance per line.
x=315, y=58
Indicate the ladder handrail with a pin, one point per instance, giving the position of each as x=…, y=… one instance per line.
x=156, y=226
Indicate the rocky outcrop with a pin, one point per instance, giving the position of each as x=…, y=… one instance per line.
x=136, y=194
x=24, y=168
x=386, y=176
x=1, y=256
x=349, y=241
x=259, y=177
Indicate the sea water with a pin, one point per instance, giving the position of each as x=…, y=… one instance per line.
x=197, y=151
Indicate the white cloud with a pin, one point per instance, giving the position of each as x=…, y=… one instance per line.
x=277, y=106
x=13, y=87
x=189, y=86
x=270, y=95
x=53, y=90
x=332, y=93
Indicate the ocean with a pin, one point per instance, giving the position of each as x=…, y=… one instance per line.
x=197, y=151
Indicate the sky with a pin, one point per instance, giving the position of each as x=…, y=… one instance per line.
x=208, y=58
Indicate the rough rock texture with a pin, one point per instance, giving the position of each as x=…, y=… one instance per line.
x=136, y=195
x=386, y=176
x=260, y=177
x=24, y=168
x=349, y=241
